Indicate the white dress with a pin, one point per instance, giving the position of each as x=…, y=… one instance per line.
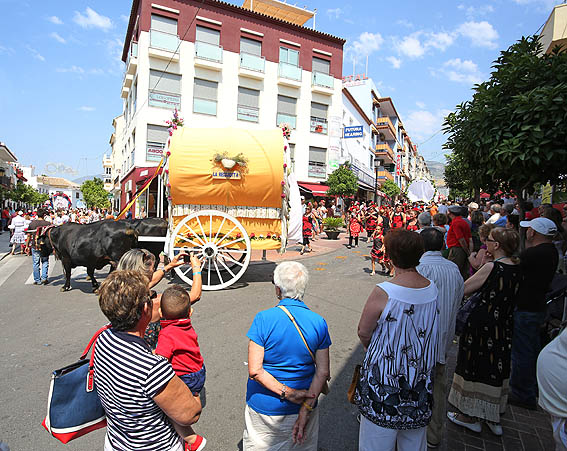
x=19, y=236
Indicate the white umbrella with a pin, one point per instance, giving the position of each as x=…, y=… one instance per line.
x=421, y=191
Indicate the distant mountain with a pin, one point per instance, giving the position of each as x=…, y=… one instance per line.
x=82, y=180
x=437, y=169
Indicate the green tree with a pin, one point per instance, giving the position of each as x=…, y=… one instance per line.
x=25, y=194
x=390, y=189
x=512, y=134
x=342, y=182
x=94, y=194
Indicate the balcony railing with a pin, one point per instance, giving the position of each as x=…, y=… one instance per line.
x=290, y=119
x=385, y=148
x=318, y=125
x=385, y=175
x=206, y=51
x=317, y=169
x=164, y=41
x=204, y=106
x=133, y=53
x=247, y=113
x=290, y=71
x=384, y=123
x=252, y=62
x=164, y=100
x=324, y=80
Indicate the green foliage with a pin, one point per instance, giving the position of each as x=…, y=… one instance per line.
x=512, y=134
x=342, y=182
x=332, y=224
x=94, y=194
x=390, y=189
x=25, y=194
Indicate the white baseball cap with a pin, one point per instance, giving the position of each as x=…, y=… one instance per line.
x=541, y=225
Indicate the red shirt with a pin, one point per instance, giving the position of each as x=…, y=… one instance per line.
x=459, y=229
x=177, y=342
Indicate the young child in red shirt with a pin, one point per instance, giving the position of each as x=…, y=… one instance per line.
x=177, y=342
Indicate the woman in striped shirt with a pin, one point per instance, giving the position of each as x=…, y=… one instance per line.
x=138, y=390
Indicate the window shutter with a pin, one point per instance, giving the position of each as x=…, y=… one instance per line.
x=319, y=110
x=157, y=134
x=289, y=56
x=205, y=89
x=170, y=83
x=321, y=65
x=165, y=24
x=208, y=35
x=286, y=105
x=251, y=46
x=248, y=97
x=317, y=154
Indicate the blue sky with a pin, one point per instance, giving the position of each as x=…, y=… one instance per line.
x=61, y=74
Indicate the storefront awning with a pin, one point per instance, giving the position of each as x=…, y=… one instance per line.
x=314, y=188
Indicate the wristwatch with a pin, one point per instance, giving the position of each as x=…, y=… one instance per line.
x=282, y=395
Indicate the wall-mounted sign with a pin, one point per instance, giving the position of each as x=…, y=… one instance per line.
x=154, y=151
x=354, y=80
x=226, y=175
x=354, y=131
x=398, y=164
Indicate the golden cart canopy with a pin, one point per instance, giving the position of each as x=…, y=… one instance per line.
x=191, y=167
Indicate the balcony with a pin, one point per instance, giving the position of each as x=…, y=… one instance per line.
x=125, y=92
x=318, y=125
x=290, y=119
x=385, y=175
x=322, y=83
x=252, y=66
x=385, y=126
x=317, y=169
x=208, y=55
x=164, y=45
x=289, y=75
x=384, y=152
x=205, y=106
x=247, y=113
x=164, y=100
x=132, y=59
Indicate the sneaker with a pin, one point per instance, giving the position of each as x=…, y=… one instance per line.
x=372, y=273
x=37, y=283
x=495, y=428
x=454, y=417
x=44, y=282
x=197, y=445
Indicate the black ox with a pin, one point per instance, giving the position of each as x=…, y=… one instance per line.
x=99, y=244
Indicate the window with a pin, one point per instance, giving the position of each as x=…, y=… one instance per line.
x=289, y=56
x=250, y=46
x=251, y=54
x=321, y=65
x=319, y=118
x=248, y=102
x=164, y=24
x=76, y=195
x=207, y=35
x=205, y=97
x=134, y=94
x=286, y=111
x=156, y=141
x=163, y=33
x=165, y=89
x=108, y=171
x=207, y=45
x=292, y=155
x=317, y=162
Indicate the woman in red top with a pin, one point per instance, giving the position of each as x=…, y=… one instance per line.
x=412, y=222
x=398, y=219
x=354, y=227
x=371, y=223
x=307, y=231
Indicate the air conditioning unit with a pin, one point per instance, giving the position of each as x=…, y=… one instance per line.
x=128, y=186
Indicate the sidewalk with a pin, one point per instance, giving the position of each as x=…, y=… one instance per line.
x=5, y=247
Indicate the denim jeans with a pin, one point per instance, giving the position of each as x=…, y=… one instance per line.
x=37, y=259
x=525, y=349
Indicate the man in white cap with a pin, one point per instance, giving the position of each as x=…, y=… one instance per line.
x=538, y=263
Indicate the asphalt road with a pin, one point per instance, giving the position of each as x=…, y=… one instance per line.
x=42, y=329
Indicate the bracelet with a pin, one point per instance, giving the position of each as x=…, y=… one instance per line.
x=195, y=273
x=307, y=406
x=282, y=396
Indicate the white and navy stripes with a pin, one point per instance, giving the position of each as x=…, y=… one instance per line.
x=450, y=287
x=127, y=377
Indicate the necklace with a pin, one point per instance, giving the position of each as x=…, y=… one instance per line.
x=500, y=258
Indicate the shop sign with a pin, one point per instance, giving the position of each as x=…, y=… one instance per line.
x=354, y=131
x=226, y=175
x=354, y=80
x=398, y=164
x=363, y=176
x=154, y=151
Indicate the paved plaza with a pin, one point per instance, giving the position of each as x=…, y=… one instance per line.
x=43, y=329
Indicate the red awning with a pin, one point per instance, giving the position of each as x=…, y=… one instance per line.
x=314, y=188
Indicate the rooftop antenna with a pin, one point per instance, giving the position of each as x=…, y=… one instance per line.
x=366, y=73
x=314, y=16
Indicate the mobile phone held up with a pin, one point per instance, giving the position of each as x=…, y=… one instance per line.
x=186, y=258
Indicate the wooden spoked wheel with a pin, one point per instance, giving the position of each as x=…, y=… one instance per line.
x=219, y=241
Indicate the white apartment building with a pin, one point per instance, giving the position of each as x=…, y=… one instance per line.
x=118, y=159
x=255, y=66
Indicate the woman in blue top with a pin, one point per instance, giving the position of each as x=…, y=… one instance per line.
x=284, y=381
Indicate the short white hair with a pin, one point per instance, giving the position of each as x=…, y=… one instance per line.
x=291, y=277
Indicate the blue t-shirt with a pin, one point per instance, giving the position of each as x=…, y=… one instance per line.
x=285, y=355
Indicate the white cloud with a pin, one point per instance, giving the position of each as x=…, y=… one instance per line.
x=35, y=53
x=335, y=13
x=124, y=18
x=481, y=34
x=420, y=105
x=421, y=124
x=86, y=108
x=57, y=38
x=543, y=4
x=56, y=20
x=7, y=50
x=366, y=44
x=73, y=70
x=472, y=11
x=92, y=19
x=462, y=71
x=440, y=41
x=395, y=62
x=410, y=46
x=404, y=23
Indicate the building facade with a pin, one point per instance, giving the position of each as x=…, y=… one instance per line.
x=554, y=31
x=8, y=172
x=222, y=65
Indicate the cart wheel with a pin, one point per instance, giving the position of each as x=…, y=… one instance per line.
x=219, y=241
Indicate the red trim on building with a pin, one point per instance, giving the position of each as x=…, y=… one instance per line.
x=135, y=175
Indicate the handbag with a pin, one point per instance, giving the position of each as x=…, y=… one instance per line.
x=353, y=383
x=465, y=311
x=73, y=406
x=325, y=389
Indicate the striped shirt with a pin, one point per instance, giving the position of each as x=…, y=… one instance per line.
x=450, y=290
x=128, y=376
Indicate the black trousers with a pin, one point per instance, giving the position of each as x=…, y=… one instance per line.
x=350, y=238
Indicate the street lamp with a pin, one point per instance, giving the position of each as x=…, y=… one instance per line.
x=378, y=166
